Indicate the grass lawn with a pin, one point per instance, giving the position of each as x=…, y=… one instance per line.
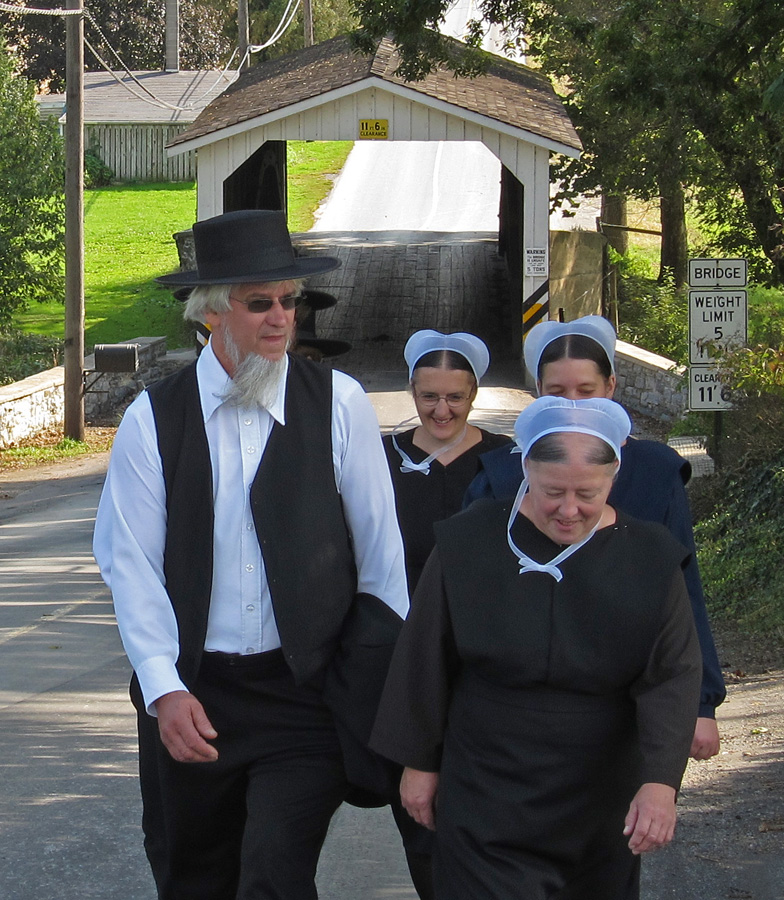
x=645, y=214
x=128, y=242
x=312, y=166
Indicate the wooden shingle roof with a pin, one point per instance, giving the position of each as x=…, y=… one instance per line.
x=508, y=92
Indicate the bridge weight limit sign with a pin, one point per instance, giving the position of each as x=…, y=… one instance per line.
x=718, y=316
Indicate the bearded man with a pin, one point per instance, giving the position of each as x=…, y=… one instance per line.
x=246, y=526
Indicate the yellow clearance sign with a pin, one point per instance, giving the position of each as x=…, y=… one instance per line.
x=373, y=129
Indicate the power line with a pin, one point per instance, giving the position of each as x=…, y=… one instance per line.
x=280, y=29
x=153, y=99
x=35, y=11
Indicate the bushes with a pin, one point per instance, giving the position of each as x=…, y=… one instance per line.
x=32, y=203
x=22, y=355
x=652, y=315
x=739, y=512
x=740, y=527
x=96, y=172
x=741, y=545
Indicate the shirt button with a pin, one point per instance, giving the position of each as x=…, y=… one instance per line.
x=251, y=450
x=249, y=649
x=249, y=567
x=249, y=526
x=250, y=607
x=248, y=421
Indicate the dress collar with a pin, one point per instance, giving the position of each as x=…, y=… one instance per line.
x=424, y=466
x=527, y=563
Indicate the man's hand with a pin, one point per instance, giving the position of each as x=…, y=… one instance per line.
x=184, y=726
x=418, y=791
x=651, y=818
x=706, y=741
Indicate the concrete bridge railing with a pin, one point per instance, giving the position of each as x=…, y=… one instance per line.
x=647, y=384
x=650, y=384
x=36, y=404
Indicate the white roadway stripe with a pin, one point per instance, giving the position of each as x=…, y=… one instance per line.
x=45, y=619
x=34, y=565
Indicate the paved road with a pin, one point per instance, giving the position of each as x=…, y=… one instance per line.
x=70, y=810
x=455, y=22
x=400, y=186
x=69, y=814
x=418, y=187
x=69, y=807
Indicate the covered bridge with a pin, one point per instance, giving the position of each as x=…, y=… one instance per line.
x=329, y=92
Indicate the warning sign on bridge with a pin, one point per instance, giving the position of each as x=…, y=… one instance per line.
x=373, y=129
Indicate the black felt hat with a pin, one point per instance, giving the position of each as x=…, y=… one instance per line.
x=325, y=346
x=319, y=299
x=247, y=246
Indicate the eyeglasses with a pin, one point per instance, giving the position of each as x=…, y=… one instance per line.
x=265, y=304
x=453, y=401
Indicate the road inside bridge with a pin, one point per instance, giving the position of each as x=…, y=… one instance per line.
x=413, y=186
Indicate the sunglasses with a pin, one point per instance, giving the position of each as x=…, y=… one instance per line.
x=265, y=304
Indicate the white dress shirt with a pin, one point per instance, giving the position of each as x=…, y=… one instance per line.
x=130, y=528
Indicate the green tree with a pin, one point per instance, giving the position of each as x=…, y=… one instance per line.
x=134, y=29
x=32, y=212
x=666, y=94
x=330, y=18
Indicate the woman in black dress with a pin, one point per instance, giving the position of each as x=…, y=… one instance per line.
x=577, y=360
x=544, y=689
x=433, y=463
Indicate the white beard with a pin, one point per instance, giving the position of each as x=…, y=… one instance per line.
x=256, y=379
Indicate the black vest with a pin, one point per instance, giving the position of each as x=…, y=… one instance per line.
x=297, y=512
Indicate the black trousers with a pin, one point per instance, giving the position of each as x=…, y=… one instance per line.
x=251, y=825
x=418, y=844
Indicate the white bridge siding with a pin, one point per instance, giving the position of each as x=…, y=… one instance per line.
x=136, y=152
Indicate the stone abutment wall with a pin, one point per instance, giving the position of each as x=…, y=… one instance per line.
x=647, y=384
x=36, y=404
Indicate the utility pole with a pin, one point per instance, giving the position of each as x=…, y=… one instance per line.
x=172, y=36
x=307, y=15
x=243, y=27
x=73, y=356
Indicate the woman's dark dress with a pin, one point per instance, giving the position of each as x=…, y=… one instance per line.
x=651, y=485
x=544, y=705
x=423, y=499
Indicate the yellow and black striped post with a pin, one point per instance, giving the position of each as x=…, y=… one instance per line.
x=536, y=307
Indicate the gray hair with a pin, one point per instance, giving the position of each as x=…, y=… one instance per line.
x=214, y=298
x=207, y=298
x=551, y=448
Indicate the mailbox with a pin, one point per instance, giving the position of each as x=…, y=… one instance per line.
x=116, y=357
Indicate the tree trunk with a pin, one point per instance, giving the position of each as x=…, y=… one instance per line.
x=760, y=197
x=674, y=261
x=614, y=213
x=674, y=258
